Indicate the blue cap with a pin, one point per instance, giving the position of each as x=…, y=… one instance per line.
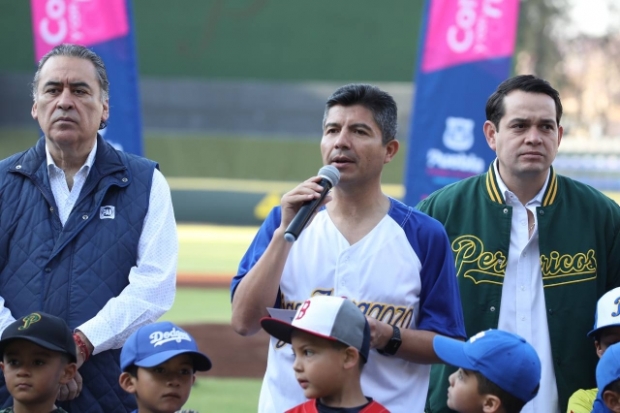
x=504, y=358
x=156, y=343
x=608, y=367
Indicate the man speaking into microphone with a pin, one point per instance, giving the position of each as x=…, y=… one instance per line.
x=395, y=263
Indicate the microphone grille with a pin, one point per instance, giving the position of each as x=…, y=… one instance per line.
x=331, y=173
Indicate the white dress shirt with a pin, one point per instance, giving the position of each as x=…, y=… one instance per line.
x=522, y=309
x=152, y=281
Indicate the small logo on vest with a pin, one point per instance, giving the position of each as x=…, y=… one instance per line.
x=162, y=337
x=107, y=212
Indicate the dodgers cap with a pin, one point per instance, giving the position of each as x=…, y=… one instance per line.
x=607, y=311
x=44, y=329
x=608, y=367
x=333, y=318
x=156, y=343
x=504, y=358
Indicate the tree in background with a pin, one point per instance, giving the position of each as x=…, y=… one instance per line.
x=583, y=66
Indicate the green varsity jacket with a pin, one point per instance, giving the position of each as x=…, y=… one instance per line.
x=579, y=240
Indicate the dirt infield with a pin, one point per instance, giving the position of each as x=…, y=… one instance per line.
x=231, y=354
x=203, y=280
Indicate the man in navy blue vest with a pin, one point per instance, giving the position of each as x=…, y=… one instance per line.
x=87, y=232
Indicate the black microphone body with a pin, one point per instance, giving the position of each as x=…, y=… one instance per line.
x=329, y=178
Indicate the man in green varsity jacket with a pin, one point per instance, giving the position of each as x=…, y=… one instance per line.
x=534, y=250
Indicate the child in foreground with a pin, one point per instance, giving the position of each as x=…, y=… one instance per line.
x=499, y=372
x=608, y=381
x=330, y=338
x=158, y=362
x=38, y=356
x=606, y=332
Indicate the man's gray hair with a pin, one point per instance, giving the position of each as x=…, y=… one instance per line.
x=81, y=52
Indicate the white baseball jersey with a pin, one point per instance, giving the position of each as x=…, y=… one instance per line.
x=402, y=273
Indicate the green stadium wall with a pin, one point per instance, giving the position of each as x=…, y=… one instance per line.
x=254, y=39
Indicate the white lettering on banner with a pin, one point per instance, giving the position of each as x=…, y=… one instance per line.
x=61, y=20
x=76, y=22
x=459, y=134
x=54, y=12
x=470, y=29
x=455, y=162
x=161, y=337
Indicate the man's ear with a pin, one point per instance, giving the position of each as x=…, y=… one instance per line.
x=128, y=382
x=491, y=403
x=105, y=115
x=68, y=373
x=612, y=400
x=490, y=131
x=391, y=150
x=33, y=111
x=351, y=358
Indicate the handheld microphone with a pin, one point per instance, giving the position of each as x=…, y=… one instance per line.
x=329, y=178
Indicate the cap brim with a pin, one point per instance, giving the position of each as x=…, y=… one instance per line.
x=39, y=342
x=596, y=330
x=452, y=352
x=200, y=361
x=283, y=330
x=277, y=328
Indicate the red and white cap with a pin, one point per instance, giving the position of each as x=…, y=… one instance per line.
x=332, y=318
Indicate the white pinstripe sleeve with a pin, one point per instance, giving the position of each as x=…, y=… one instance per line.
x=152, y=281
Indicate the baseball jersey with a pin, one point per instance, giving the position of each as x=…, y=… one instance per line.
x=315, y=406
x=402, y=272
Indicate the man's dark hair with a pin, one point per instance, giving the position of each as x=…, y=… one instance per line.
x=379, y=103
x=495, y=108
x=81, y=52
x=510, y=403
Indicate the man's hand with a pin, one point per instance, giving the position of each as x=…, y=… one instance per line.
x=380, y=333
x=72, y=389
x=81, y=357
x=295, y=198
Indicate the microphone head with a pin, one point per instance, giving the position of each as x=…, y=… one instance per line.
x=331, y=173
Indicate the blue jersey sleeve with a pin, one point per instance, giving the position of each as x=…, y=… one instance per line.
x=257, y=248
x=440, y=300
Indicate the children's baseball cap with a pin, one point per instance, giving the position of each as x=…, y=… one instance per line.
x=43, y=329
x=607, y=311
x=608, y=367
x=156, y=343
x=504, y=358
x=332, y=318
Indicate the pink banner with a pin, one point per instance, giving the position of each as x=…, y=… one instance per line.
x=464, y=31
x=84, y=22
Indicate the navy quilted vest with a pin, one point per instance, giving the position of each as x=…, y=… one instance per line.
x=72, y=271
